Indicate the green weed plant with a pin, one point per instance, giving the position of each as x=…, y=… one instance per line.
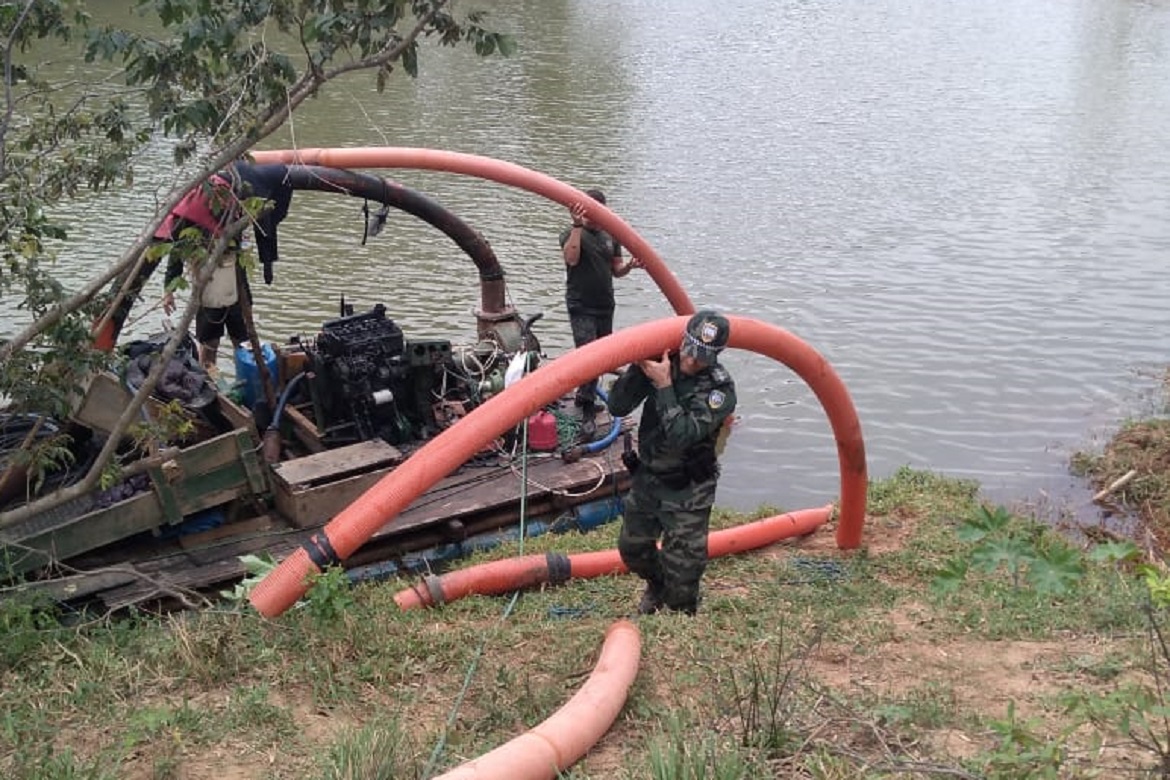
x=1025, y=551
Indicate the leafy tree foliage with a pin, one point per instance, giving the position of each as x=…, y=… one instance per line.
x=217, y=77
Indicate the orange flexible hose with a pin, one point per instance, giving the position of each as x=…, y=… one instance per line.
x=496, y=577
x=498, y=171
x=560, y=741
x=379, y=505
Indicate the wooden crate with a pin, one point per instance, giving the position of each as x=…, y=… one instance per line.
x=101, y=401
x=199, y=477
x=309, y=491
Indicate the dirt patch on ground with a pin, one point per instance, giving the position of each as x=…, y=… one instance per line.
x=974, y=676
x=979, y=677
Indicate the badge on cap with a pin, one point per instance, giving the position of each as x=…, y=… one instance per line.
x=715, y=399
x=708, y=331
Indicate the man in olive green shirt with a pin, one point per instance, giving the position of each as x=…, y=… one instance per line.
x=592, y=259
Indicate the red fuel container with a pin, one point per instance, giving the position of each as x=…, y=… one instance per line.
x=542, y=432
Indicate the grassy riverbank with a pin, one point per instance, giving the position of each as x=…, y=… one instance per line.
x=960, y=642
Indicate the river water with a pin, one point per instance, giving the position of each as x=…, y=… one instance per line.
x=965, y=207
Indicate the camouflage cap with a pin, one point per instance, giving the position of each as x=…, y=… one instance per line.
x=706, y=336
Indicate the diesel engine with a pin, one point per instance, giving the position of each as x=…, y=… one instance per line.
x=367, y=381
x=360, y=380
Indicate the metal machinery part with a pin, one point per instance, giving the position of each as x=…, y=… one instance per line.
x=505, y=328
x=366, y=381
x=360, y=379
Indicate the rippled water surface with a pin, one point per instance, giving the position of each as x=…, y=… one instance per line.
x=965, y=207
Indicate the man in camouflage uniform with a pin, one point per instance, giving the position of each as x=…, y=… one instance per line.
x=688, y=398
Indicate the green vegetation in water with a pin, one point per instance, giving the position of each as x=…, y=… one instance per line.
x=960, y=641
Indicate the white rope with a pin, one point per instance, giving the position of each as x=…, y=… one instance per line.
x=568, y=493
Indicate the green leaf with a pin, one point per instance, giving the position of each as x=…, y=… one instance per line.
x=485, y=46
x=996, y=519
x=410, y=60
x=1112, y=552
x=1062, y=556
x=1158, y=584
x=157, y=251
x=258, y=565
x=506, y=44
x=970, y=532
x=994, y=553
x=984, y=522
x=950, y=577
x=1055, y=576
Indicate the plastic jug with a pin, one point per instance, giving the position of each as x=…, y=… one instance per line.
x=542, y=432
x=249, y=374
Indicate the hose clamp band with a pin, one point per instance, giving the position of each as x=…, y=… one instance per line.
x=321, y=551
x=559, y=568
x=435, y=589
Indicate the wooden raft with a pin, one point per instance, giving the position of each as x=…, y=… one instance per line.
x=474, y=500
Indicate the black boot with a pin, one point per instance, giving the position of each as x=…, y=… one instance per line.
x=651, y=599
x=690, y=608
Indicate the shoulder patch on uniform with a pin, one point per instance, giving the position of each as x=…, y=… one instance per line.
x=719, y=374
x=715, y=399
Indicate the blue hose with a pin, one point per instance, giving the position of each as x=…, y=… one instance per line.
x=615, y=429
x=288, y=388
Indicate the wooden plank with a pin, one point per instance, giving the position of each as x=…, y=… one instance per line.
x=102, y=400
x=254, y=469
x=195, y=569
x=237, y=415
x=340, y=462
x=304, y=429
x=209, y=455
x=178, y=491
x=451, y=497
x=218, y=563
x=474, y=501
x=74, y=586
x=136, y=514
x=253, y=525
x=168, y=497
x=215, y=472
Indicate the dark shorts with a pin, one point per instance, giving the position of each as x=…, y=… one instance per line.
x=210, y=324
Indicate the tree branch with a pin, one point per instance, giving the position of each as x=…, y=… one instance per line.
x=267, y=122
x=8, y=100
x=131, y=412
x=188, y=598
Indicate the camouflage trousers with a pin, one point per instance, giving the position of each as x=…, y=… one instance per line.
x=587, y=328
x=680, y=518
